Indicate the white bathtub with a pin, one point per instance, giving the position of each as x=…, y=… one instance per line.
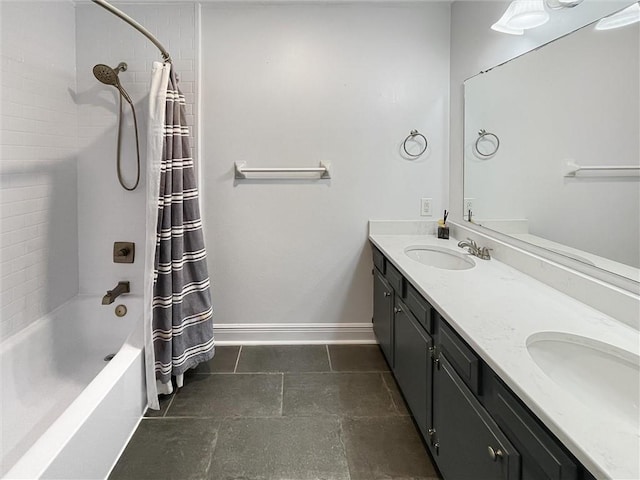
x=66, y=412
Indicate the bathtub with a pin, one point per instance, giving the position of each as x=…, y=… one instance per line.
x=66, y=412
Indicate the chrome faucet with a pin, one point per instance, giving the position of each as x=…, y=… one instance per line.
x=122, y=287
x=473, y=249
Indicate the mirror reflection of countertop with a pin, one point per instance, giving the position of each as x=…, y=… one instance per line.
x=612, y=266
x=498, y=310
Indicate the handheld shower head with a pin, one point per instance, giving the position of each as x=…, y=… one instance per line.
x=109, y=76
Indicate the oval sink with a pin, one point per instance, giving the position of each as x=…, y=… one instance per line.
x=597, y=374
x=439, y=257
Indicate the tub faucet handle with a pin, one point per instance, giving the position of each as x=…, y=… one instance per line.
x=124, y=252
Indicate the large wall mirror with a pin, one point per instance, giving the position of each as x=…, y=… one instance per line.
x=552, y=148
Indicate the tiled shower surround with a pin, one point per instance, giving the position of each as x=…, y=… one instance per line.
x=38, y=147
x=61, y=207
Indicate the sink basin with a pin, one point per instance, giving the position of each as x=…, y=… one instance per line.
x=595, y=373
x=439, y=257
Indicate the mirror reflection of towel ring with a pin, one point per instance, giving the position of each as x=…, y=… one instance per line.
x=411, y=136
x=483, y=134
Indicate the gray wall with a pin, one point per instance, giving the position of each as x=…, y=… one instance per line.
x=293, y=85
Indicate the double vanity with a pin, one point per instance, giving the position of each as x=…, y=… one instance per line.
x=506, y=377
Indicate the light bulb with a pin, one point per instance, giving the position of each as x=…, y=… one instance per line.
x=521, y=15
x=623, y=18
x=527, y=14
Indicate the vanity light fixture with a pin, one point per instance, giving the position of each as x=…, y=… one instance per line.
x=623, y=18
x=522, y=15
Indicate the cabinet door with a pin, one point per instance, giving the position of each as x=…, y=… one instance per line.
x=470, y=446
x=412, y=366
x=383, y=314
x=542, y=457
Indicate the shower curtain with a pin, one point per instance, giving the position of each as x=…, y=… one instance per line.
x=178, y=309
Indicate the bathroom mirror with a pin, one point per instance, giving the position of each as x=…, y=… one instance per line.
x=547, y=117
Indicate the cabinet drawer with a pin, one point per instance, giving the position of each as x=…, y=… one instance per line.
x=542, y=456
x=378, y=260
x=461, y=357
x=395, y=279
x=419, y=307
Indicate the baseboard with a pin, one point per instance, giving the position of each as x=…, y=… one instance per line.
x=293, y=333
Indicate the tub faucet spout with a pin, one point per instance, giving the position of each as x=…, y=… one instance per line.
x=122, y=287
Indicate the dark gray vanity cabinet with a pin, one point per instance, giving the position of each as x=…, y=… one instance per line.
x=383, y=299
x=388, y=285
x=476, y=428
x=402, y=323
x=413, y=365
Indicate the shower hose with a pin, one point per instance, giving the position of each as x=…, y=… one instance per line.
x=135, y=128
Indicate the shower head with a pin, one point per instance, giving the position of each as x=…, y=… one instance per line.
x=109, y=76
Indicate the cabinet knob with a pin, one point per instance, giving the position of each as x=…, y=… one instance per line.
x=397, y=309
x=387, y=294
x=495, y=454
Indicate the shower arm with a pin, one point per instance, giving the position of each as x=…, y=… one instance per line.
x=119, y=13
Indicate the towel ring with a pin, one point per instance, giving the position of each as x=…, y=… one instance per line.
x=482, y=134
x=415, y=133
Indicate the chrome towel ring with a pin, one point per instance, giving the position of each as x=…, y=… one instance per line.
x=482, y=134
x=411, y=136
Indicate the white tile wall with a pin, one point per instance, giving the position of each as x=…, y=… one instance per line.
x=107, y=213
x=61, y=205
x=38, y=145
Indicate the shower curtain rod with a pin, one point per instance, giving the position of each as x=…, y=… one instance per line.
x=136, y=25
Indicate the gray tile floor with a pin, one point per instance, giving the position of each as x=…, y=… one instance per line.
x=281, y=413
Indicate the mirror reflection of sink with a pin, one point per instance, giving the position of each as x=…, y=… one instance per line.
x=439, y=257
x=597, y=374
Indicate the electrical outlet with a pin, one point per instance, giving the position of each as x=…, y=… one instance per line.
x=425, y=207
x=468, y=205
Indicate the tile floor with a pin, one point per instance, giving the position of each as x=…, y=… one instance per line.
x=281, y=412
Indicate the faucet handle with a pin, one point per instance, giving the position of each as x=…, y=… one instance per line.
x=472, y=242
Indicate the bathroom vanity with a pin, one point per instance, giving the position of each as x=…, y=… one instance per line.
x=484, y=357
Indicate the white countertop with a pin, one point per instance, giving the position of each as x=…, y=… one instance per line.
x=495, y=308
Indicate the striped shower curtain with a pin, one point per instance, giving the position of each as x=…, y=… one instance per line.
x=181, y=309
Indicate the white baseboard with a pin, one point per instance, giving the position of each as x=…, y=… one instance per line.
x=293, y=333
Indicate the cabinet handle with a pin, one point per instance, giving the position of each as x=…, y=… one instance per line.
x=397, y=309
x=387, y=294
x=495, y=454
